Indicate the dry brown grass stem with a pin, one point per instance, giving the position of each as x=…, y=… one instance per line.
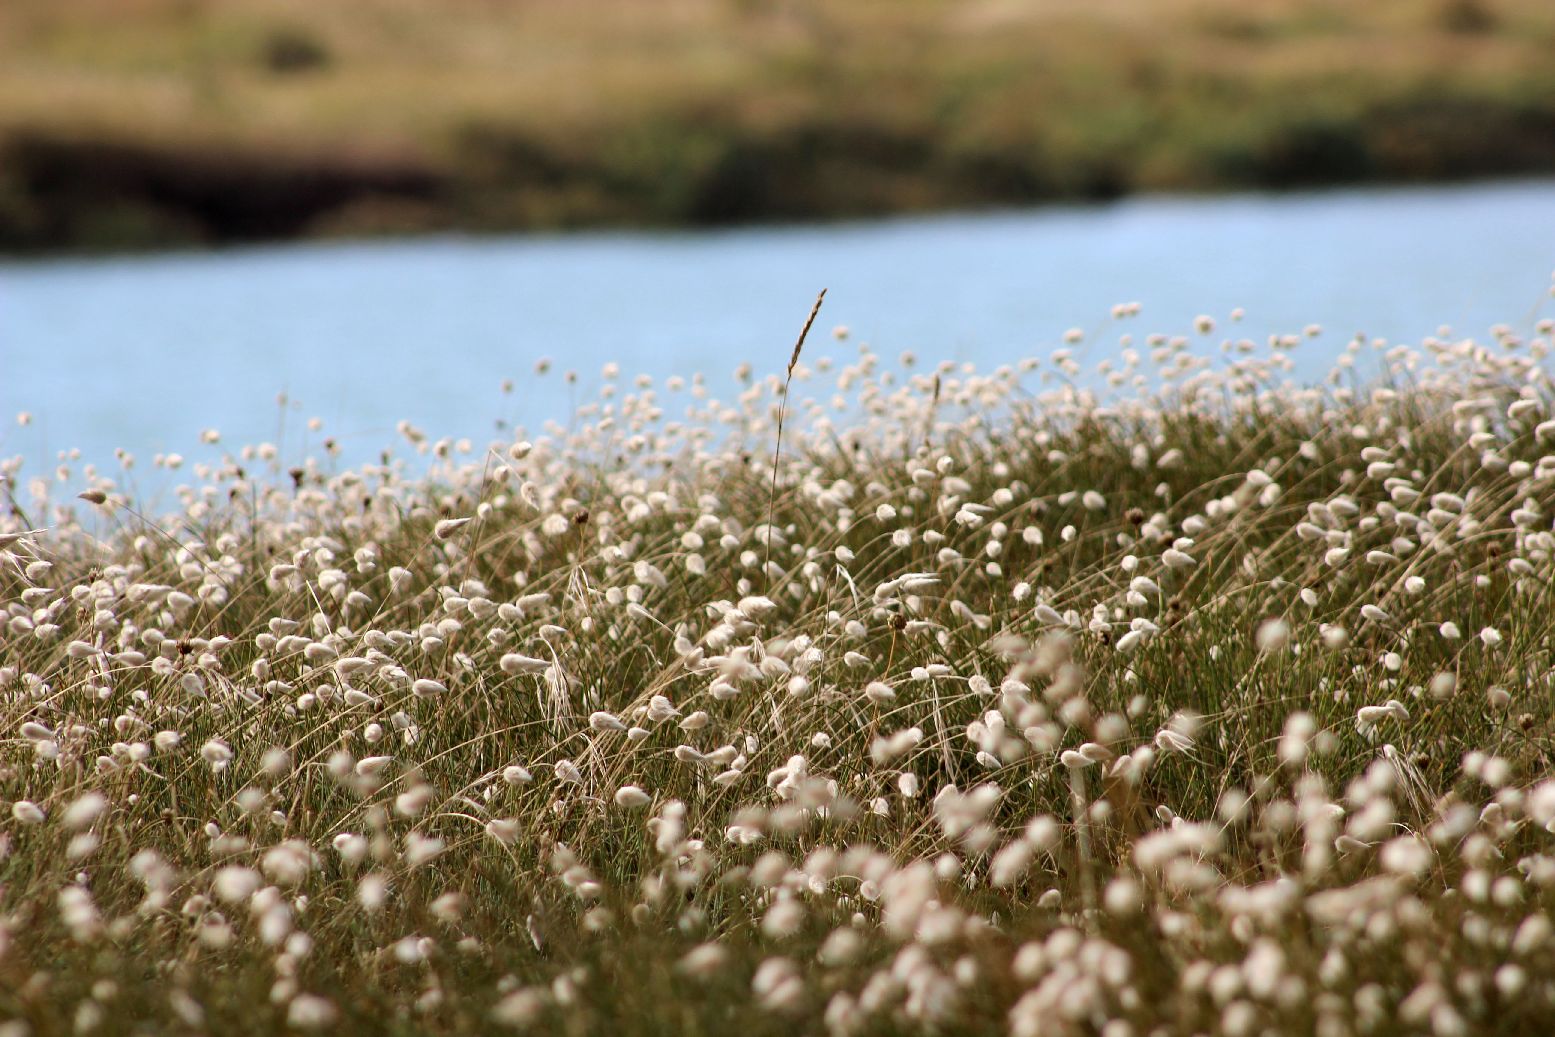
x=788, y=377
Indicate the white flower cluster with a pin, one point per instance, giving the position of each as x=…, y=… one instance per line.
x=994, y=707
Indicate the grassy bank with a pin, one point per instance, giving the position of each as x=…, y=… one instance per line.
x=1219, y=709
x=166, y=121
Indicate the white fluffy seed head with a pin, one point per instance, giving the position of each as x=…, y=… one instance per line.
x=632, y=797
x=1273, y=635
x=27, y=812
x=703, y=962
x=603, y=721
x=879, y=692
x=372, y=766
x=86, y=809
x=503, y=830
x=446, y=528
x=513, y=663
x=235, y=883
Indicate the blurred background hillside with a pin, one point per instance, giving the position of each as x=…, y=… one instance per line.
x=134, y=123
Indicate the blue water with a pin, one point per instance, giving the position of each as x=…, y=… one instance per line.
x=144, y=352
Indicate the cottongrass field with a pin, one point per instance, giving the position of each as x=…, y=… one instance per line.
x=1202, y=702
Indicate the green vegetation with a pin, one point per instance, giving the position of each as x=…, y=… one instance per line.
x=1224, y=709
x=138, y=122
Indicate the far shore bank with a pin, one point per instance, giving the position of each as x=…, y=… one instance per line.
x=168, y=123
x=96, y=196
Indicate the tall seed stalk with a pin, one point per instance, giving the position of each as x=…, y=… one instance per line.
x=793, y=361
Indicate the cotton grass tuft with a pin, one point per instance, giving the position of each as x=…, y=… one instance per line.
x=1148, y=693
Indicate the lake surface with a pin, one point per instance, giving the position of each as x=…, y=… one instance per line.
x=144, y=352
